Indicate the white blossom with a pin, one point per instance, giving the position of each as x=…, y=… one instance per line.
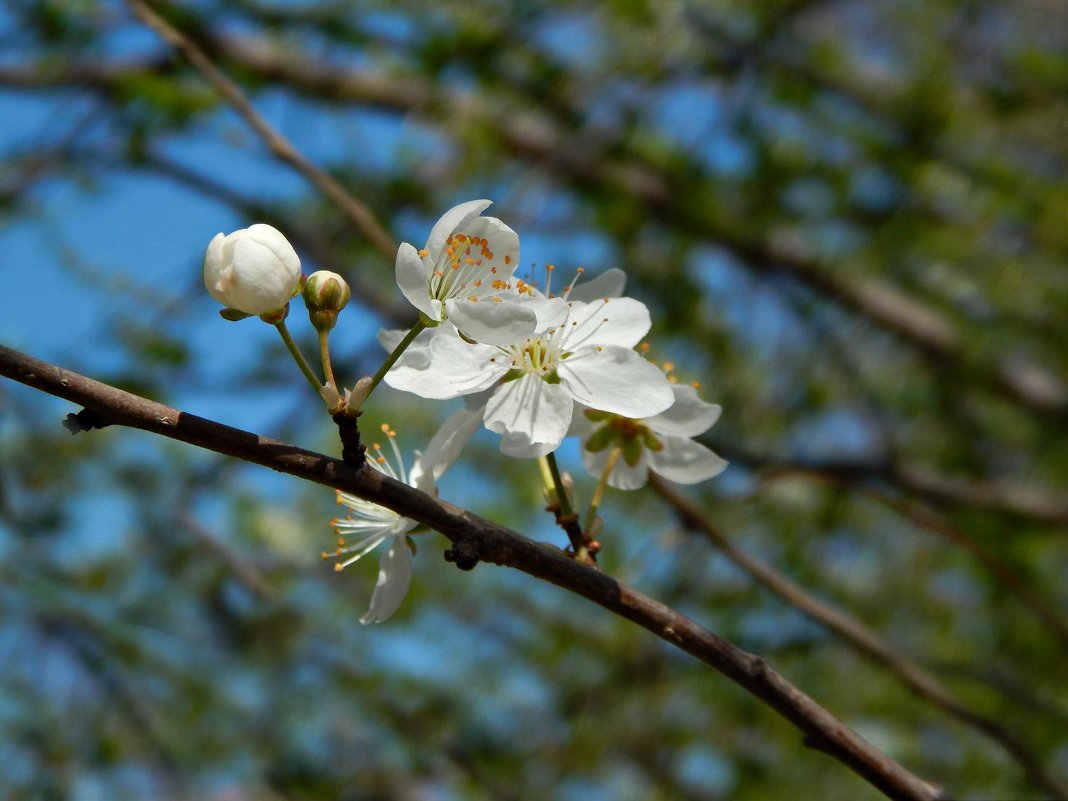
x=373, y=525
x=254, y=270
x=587, y=358
x=465, y=274
x=662, y=443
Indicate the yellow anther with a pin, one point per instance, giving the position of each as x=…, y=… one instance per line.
x=423, y=253
x=668, y=366
x=338, y=567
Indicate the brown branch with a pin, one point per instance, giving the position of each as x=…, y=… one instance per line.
x=360, y=215
x=488, y=542
x=966, y=494
x=863, y=639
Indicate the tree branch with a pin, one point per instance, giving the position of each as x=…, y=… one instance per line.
x=360, y=215
x=490, y=542
x=862, y=639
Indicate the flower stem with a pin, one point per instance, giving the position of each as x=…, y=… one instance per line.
x=324, y=354
x=582, y=546
x=561, y=492
x=416, y=330
x=598, y=493
x=298, y=357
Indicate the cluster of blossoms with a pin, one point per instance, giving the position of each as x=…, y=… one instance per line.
x=533, y=366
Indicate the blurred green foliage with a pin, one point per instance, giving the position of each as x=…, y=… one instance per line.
x=850, y=221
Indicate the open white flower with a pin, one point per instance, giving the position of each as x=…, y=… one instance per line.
x=374, y=525
x=464, y=274
x=586, y=359
x=662, y=443
x=254, y=270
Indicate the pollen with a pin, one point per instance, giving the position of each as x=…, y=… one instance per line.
x=644, y=347
x=695, y=384
x=497, y=300
x=472, y=298
x=338, y=567
x=507, y=259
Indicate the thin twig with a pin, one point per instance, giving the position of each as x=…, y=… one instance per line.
x=863, y=639
x=492, y=543
x=360, y=215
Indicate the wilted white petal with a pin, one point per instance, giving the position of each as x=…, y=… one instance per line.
x=688, y=416
x=615, y=379
x=394, y=579
x=684, y=461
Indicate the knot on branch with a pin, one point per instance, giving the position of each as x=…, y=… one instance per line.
x=85, y=420
x=464, y=554
x=353, y=452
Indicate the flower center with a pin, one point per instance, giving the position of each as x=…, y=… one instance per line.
x=463, y=265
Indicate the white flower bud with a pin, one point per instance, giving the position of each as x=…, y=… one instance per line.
x=254, y=270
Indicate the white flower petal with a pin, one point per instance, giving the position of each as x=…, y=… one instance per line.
x=493, y=323
x=411, y=278
x=551, y=312
x=445, y=447
x=532, y=409
x=623, y=476
x=684, y=461
x=609, y=284
x=519, y=446
x=394, y=579
x=447, y=368
x=271, y=238
x=454, y=218
x=262, y=282
x=615, y=379
x=620, y=321
x=501, y=240
x=389, y=338
x=688, y=416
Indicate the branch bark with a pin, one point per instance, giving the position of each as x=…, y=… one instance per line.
x=490, y=542
x=864, y=640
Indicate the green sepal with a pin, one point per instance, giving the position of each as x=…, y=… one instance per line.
x=632, y=451
x=650, y=440
x=233, y=315
x=600, y=439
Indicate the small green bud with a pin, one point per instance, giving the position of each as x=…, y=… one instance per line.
x=325, y=294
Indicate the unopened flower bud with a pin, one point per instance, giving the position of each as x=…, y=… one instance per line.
x=325, y=294
x=330, y=397
x=355, y=397
x=254, y=270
